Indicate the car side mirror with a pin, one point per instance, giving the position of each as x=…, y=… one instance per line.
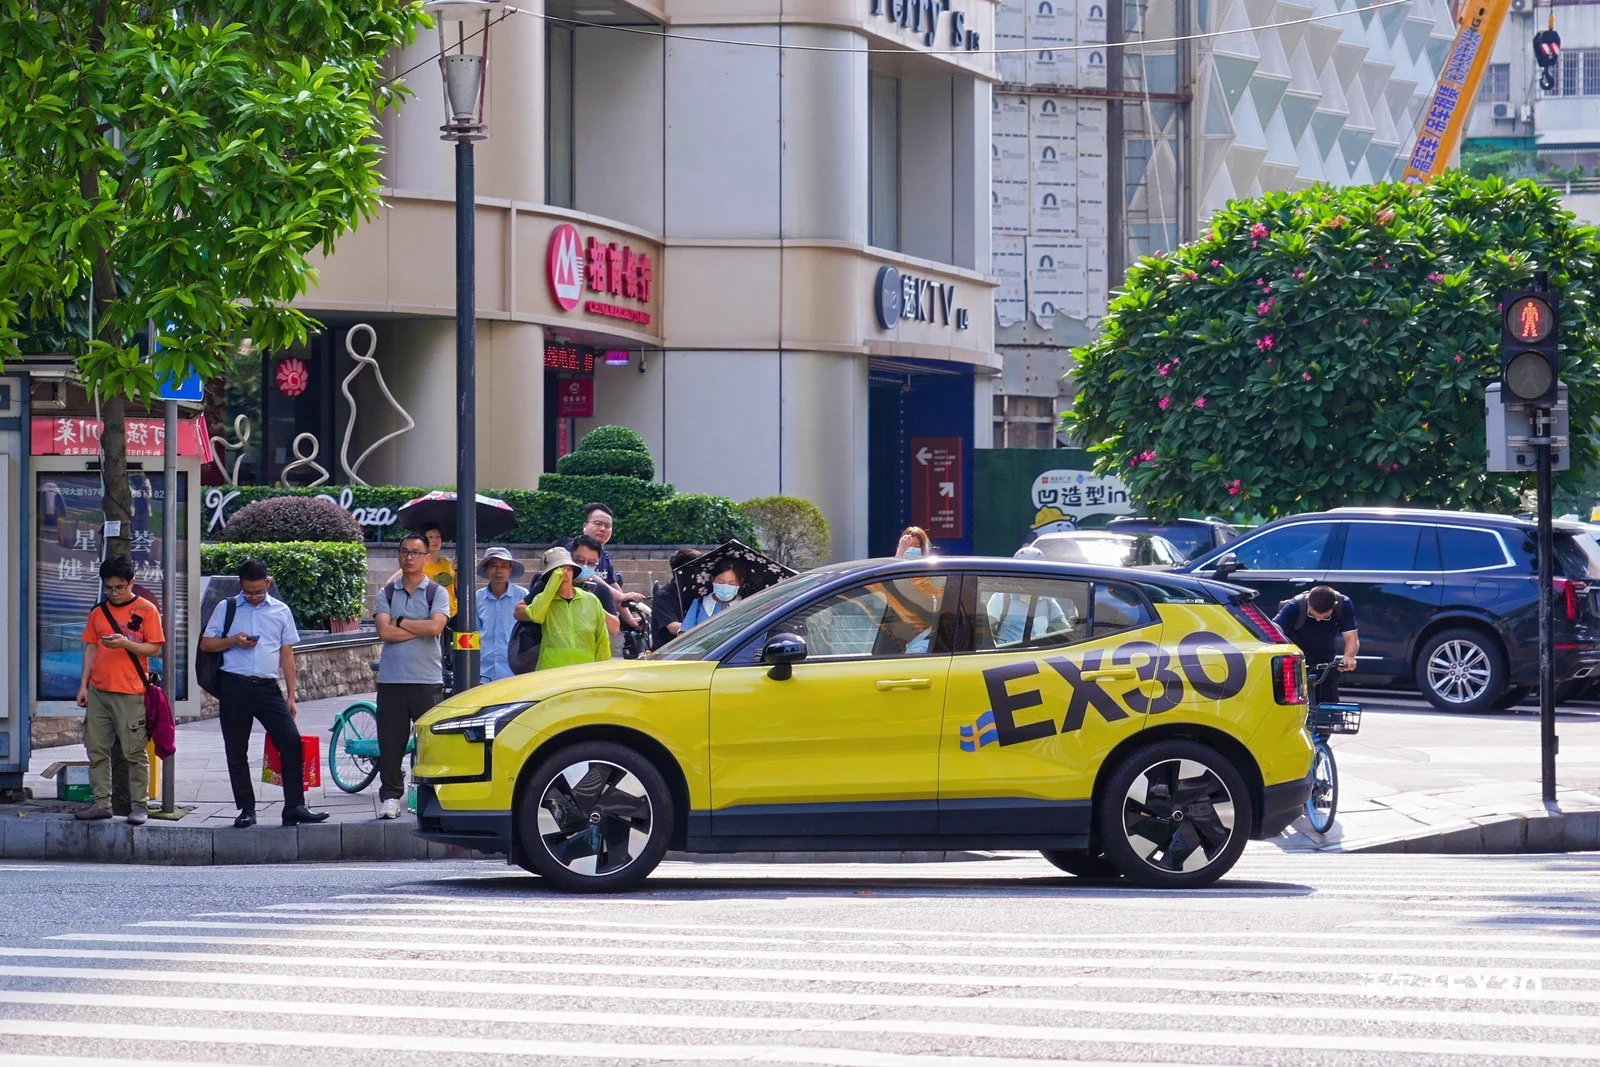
x=783, y=651
x=1226, y=564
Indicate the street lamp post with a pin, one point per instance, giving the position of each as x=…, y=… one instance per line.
x=464, y=27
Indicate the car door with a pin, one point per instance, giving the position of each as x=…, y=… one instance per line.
x=1281, y=561
x=848, y=745
x=1050, y=676
x=1390, y=571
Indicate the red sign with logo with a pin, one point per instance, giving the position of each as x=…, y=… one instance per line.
x=937, y=494
x=293, y=376
x=603, y=269
x=575, y=399
x=75, y=435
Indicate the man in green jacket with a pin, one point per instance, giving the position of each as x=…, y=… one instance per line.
x=573, y=620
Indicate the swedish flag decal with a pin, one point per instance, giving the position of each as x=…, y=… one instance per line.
x=980, y=733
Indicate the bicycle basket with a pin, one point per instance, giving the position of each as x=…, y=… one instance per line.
x=1334, y=719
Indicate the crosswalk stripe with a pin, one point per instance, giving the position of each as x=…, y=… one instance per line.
x=1142, y=963
x=767, y=1054
x=1167, y=944
x=1470, y=985
x=594, y=994
x=11, y=1059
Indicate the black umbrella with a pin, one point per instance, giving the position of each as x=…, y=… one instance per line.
x=438, y=508
x=694, y=577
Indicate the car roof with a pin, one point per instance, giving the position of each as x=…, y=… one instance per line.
x=1043, y=568
x=1119, y=519
x=1470, y=518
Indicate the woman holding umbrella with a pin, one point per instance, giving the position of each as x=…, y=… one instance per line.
x=723, y=577
x=727, y=589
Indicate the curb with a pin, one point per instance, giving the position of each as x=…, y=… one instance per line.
x=1532, y=831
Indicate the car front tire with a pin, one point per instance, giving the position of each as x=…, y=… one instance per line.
x=1462, y=670
x=594, y=817
x=1175, y=815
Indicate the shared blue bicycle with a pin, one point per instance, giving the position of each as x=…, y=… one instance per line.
x=353, y=748
x=1323, y=721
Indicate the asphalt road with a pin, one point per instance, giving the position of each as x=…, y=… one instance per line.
x=1294, y=959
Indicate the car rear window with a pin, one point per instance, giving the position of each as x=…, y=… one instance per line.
x=1381, y=546
x=1190, y=540
x=1469, y=550
x=1577, y=555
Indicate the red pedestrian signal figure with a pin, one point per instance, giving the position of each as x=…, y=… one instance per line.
x=1529, y=344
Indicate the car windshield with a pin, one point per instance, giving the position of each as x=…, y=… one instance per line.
x=1108, y=551
x=1189, y=540
x=698, y=643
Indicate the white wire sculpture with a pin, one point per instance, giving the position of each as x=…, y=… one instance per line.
x=220, y=444
x=308, y=460
x=362, y=361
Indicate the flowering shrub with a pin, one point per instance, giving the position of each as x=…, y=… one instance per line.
x=1331, y=346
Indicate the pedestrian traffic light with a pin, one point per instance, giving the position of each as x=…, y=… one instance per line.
x=1530, y=334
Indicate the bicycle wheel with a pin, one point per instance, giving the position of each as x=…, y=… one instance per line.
x=352, y=759
x=1323, y=803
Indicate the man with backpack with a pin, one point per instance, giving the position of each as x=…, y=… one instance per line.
x=1322, y=621
x=410, y=612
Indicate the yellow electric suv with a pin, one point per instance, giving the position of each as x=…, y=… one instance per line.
x=1121, y=722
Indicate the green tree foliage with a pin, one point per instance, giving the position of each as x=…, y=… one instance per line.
x=1331, y=346
x=292, y=518
x=793, y=531
x=621, y=438
x=179, y=159
x=319, y=580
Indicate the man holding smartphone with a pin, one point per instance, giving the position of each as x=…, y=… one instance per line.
x=257, y=650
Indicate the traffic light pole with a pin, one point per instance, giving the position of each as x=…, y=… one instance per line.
x=1547, y=663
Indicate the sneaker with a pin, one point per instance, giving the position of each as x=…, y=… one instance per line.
x=93, y=811
x=390, y=809
x=137, y=815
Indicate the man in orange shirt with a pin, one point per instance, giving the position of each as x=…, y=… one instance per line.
x=112, y=690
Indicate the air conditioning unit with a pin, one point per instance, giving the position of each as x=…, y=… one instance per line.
x=1504, y=113
x=1522, y=7
x=1525, y=113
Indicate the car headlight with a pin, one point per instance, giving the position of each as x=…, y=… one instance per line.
x=482, y=725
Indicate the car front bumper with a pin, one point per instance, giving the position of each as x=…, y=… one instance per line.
x=485, y=831
x=1282, y=804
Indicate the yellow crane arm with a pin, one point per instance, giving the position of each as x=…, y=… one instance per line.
x=1453, y=96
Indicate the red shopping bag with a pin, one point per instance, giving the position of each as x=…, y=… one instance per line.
x=310, y=752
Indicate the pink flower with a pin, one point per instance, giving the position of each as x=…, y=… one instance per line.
x=1265, y=344
x=1134, y=462
x=1254, y=243
x=1264, y=308
x=1163, y=368
x=1305, y=376
x=1269, y=362
x=1234, y=487
x=1164, y=402
x=1458, y=357
x=1191, y=275
x=1299, y=274
x=1431, y=277
x=1395, y=467
x=1259, y=231
x=1216, y=262
x=1385, y=216
x=1200, y=403
x=1363, y=322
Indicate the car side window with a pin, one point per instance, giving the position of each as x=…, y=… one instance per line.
x=1296, y=547
x=1118, y=608
x=1381, y=546
x=890, y=618
x=1019, y=612
x=1469, y=550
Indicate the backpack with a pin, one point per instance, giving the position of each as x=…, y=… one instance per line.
x=432, y=586
x=1302, y=611
x=522, y=648
x=208, y=665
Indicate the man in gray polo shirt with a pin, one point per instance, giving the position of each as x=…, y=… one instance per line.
x=411, y=612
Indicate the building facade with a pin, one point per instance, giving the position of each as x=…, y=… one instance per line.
x=757, y=233
x=1112, y=142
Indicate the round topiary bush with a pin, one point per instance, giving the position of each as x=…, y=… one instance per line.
x=292, y=518
x=616, y=438
x=793, y=531
x=612, y=461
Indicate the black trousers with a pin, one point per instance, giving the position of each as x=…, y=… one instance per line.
x=1328, y=686
x=399, y=705
x=246, y=701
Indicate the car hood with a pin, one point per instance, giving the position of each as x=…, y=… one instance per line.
x=637, y=676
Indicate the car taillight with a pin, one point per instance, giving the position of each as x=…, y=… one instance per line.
x=1256, y=621
x=1570, y=592
x=1289, y=679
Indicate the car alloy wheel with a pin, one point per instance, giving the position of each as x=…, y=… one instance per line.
x=1174, y=814
x=595, y=817
x=1459, y=671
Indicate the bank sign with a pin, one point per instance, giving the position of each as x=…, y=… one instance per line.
x=1062, y=496
x=601, y=269
x=923, y=16
x=897, y=296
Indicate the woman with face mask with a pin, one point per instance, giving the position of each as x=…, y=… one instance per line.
x=726, y=589
x=914, y=543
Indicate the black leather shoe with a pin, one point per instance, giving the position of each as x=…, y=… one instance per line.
x=245, y=820
x=300, y=813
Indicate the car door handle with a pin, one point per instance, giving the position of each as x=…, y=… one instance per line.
x=1108, y=676
x=886, y=684
x=1419, y=584
x=1301, y=581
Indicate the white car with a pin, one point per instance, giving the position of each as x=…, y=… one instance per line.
x=1105, y=549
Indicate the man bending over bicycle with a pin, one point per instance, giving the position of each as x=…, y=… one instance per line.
x=1320, y=621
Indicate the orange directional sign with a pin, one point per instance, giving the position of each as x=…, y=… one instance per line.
x=472, y=642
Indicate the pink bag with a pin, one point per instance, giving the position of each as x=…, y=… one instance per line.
x=158, y=723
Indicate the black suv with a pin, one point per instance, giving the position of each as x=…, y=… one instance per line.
x=1444, y=600
x=1193, y=537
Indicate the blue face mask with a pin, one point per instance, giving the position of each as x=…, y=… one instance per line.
x=724, y=593
x=585, y=574
x=912, y=553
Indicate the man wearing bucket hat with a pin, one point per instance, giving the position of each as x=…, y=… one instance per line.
x=573, y=621
x=497, y=603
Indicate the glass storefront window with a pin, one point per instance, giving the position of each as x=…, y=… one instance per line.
x=883, y=177
x=558, y=95
x=67, y=557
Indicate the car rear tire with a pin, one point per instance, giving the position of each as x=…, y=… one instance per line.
x=595, y=817
x=1175, y=815
x=1462, y=670
x=1081, y=864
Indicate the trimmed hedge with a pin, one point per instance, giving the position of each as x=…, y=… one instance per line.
x=793, y=531
x=621, y=495
x=604, y=461
x=292, y=518
x=319, y=580
x=620, y=438
x=685, y=519
x=543, y=516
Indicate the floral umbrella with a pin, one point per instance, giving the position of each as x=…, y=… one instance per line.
x=438, y=508
x=694, y=577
